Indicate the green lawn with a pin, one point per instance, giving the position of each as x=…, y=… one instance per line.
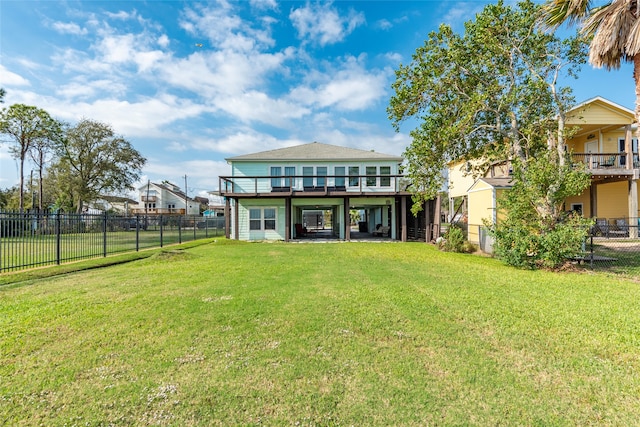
x=319, y=334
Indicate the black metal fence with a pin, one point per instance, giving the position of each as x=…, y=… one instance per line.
x=32, y=239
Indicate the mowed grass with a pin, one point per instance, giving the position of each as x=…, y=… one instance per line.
x=368, y=334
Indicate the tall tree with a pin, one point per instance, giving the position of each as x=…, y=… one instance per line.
x=488, y=95
x=24, y=125
x=2, y=94
x=40, y=151
x=93, y=160
x=613, y=26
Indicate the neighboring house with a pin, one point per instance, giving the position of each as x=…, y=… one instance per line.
x=270, y=195
x=603, y=142
x=165, y=198
x=117, y=204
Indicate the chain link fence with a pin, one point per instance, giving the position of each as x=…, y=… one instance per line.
x=33, y=239
x=616, y=250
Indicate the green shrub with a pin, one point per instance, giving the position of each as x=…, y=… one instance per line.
x=454, y=241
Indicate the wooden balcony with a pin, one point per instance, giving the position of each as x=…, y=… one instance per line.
x=609, y=164
x=312, y=186
x=149, y=198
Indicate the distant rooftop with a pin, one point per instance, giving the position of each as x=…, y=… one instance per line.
x=313, y=152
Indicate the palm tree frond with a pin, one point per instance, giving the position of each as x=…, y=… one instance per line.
x=611, y=27
x=556, y=12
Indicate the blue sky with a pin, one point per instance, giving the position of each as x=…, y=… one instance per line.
x=191, y=83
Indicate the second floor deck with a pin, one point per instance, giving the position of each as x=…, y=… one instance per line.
x=312, y=185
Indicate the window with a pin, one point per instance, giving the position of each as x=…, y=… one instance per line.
x=171, y=206
x=269, y=219
x=289, y=171
x=276, y=171
x=255, y=217
x=621, y=148
x=371, y=172
x=354, y=172
x=307, y=180
x=262, y=219
x=321, y=172
x=338, y=171
x=385, y=181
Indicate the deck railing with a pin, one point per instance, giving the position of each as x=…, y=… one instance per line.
x=606, y=161
x=311, y=184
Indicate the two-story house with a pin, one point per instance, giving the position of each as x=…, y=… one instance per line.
x=165, y=198
x=603, y=142
x=310, y=189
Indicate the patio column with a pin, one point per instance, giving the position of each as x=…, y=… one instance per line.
x=403, y=218
x=227, y=218
x=427, y=221
x=633, y=208
x=347, y=220
x=287, y=219
x=236, y=219
x=436, y=220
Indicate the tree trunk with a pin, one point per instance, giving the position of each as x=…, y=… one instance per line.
x=21, y=205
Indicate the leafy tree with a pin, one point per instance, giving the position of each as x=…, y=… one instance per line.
x=9, y=198
x=2, y=94
x=531, y=236
x=613, y=26
x=492, y=94
x=93, y=160
x=25, y=126
x=489, y=94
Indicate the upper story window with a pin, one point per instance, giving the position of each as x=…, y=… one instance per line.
x=385, y=176
x=372, y=179
x=354, y=179
x=338, y=171
x=282, y=180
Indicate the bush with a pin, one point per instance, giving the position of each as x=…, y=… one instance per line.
x=533, y=230
x=454, y=241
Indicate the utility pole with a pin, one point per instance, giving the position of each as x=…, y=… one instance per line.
x=186, y=206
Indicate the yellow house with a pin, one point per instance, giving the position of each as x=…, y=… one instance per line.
x=603, y=142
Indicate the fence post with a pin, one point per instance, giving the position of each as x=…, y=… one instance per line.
x=104, y=235
x=58, y=237
x=161, y=221
x=180, y=229
x=194, y=228
x=137, y=232
x=591, y=249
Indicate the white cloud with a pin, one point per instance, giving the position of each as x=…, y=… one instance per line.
x=9, y=78
x=244, y=141
x=226, y=30
x=257, y=106
x=322, y=23
x=264, y=4
x=384, y=24
x=163, y=41
x=69, y=28
x=393, y=57
x=350, y=88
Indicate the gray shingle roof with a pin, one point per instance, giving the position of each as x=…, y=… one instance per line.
x=313, y=152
